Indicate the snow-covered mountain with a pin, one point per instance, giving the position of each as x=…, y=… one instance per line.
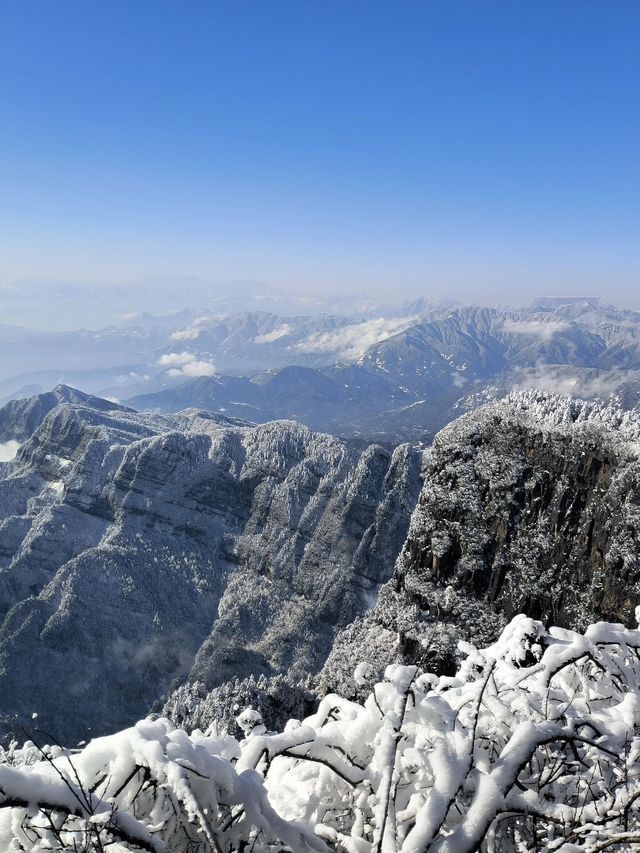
x=394, y=376
x=145, y=353
x=529, y=505
x=136, y=549
x=346, y=400
x=139, y=551
x=415, y=379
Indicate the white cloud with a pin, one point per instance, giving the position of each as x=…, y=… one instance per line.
x=8, y=450
x=186, y=364
x=574, y=382
x=172, y=358
x=191, y=332
x=277, y=333
x=544, y=329
x=194, y=368
x=132, y=376
x=350, y=342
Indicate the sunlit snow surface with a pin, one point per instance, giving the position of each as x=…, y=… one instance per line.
x=488, y=760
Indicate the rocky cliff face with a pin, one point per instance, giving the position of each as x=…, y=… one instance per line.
x=138, y=552
x=140, y=549
x=530, y=505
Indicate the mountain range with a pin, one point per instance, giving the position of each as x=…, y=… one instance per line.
x=137, y=548
x=393, y=376
x=409, y=385
x=149, y=558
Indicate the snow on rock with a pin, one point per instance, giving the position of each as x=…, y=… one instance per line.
x=530, y=504
x=166, y=548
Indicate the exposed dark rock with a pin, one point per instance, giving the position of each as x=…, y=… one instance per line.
x=530, y=505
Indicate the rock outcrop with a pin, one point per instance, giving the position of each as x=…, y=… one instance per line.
x=529, y=505
x=138, y=549
x=197, y=555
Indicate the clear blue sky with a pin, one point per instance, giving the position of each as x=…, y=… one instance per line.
x=473, y=148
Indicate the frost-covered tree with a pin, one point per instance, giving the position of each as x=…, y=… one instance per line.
x=533, y=745
x=278, y=698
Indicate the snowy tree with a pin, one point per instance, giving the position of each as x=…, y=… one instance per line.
x=533, y=745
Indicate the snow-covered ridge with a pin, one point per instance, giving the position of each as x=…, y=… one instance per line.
x=414, y=380
x=193, y=548
x=166, y=547
x=543, y=410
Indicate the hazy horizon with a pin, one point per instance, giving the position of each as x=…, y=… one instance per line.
x=57, y=305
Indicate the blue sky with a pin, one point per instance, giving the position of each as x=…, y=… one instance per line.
x=478, y=149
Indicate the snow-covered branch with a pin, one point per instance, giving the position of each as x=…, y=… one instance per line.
x=533, y=745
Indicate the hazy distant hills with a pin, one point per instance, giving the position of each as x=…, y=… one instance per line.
x=386, y=374
x=322, y=400
x=145, y=352
x=410, y=384
x=61, y=306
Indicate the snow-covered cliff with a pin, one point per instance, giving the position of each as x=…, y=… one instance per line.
x=529, y=505
x=135, y=549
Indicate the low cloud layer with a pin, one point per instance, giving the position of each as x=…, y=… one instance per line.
x=8, y=450
x=575, y=382
x=279, y=332
x=191, y=332
x=186, y=364
x=541, y=329
x=350, y=342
